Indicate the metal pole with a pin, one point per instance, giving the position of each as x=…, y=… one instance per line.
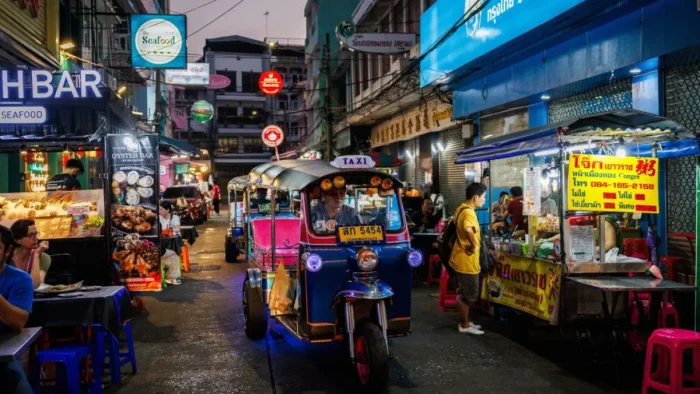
x=273, y=200
x=329, y=117
x=159, y=97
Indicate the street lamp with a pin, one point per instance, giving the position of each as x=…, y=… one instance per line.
x=67, y=45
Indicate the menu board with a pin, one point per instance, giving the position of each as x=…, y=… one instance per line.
x=132, y=161
x=532, y=192
x=613, y=184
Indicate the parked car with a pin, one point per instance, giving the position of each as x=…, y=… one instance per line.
x=189, y=203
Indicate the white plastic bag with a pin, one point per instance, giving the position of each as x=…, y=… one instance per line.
x=172, y=261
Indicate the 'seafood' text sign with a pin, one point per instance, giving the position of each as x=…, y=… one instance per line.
x=613, y=184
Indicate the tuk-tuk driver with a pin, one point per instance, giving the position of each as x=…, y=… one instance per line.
x=331, y=211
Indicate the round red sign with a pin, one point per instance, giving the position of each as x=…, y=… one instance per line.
x=270, y=83
x=272, y=136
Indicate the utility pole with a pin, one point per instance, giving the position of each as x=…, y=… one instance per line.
x=329, y=116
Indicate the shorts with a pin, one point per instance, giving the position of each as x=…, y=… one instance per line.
x=468, y=287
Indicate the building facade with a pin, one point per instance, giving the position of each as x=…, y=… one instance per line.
x=241, y=109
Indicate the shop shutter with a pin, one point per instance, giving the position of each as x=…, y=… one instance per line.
x=452, y=183
x=608, y=97
x=408, y=170
x=682, y=100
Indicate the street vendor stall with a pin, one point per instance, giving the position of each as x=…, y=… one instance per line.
x=582, y=182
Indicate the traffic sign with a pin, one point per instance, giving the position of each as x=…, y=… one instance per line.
x=272, y=136
x=270, y=83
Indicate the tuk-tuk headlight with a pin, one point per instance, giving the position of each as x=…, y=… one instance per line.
x=415, y=258
x=312, y=261
x=367, y=259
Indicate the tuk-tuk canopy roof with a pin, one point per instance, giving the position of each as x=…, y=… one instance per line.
x=238, y=183
x=297, y=174
x=643, y=128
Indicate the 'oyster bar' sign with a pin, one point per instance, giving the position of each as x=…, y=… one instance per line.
x=42, y=85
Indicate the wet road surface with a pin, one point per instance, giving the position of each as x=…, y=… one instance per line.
x=191, y=340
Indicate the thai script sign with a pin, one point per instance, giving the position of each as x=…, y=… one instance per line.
x=613, y=184
x=374, y=42
x=195, y=74
x=525, y=284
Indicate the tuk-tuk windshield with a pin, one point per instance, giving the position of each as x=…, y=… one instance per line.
x=354, y=205
x=260, y=201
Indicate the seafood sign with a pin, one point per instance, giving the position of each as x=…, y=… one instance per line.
x=132, y=161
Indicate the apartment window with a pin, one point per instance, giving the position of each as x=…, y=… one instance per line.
x=250, y=82
x=230, y=75
x=227, y=116
x=228, y=144
x=365, y=72
x=399, y=21
x=294, y=129
x=414, y=16
x=252, y=145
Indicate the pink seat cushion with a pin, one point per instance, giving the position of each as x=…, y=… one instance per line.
x=287, y=233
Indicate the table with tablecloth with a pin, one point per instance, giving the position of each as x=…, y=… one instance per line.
x=109, y=307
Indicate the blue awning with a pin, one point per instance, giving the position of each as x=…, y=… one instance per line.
x=670, y=135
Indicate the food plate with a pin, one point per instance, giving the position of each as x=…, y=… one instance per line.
x=58, y=289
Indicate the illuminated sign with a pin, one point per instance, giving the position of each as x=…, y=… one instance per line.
x=270, y=83
x=195, y=74
x=22, y=115
x=41, y=83
x=158, y=41
x=272, y=136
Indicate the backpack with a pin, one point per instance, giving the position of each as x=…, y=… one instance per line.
x=445, y=242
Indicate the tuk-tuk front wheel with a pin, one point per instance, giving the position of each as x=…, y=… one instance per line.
x=371, y=358
x=254, y=316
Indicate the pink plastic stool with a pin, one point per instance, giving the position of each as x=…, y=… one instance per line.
x=667, y=310
x=446, y=298
x=434, y=260
x=668, y=345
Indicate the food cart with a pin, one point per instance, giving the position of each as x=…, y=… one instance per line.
x=591, y=167
x=106, y=233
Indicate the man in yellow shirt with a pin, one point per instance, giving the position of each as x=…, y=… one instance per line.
x=465, y=255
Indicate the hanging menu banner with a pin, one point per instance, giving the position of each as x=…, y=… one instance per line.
x=613, y=184
x=532, y=192
x=132, y=162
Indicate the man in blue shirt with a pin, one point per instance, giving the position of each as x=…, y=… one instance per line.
x=16, y=296
x=332, y=212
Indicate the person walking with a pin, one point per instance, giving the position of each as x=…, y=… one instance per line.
x=465, y=255
x=216, y=197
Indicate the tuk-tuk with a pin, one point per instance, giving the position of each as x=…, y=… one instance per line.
x=235, y=241
x=346, y=256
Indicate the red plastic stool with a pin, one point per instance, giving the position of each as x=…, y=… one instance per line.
x=668, y=345
x=433, y=260
x=667, y=310
x=447, y=297
x=670, y=263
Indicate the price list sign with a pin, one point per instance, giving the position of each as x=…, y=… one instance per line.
x=613, y=184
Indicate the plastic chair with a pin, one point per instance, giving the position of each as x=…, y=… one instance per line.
x=70, y=357
x=446, y=297
x=668, y=345
x=117, y=359
x=434, y=260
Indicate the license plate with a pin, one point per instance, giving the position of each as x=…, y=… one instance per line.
x=360, y=234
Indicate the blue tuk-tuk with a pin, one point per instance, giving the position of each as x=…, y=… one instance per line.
x=345, y=254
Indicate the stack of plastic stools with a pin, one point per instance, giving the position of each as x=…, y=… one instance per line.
x=70, y=356
x=117, y=358
x=668, y=345
x=185, y=257
x=433, y=261
x=446, y=297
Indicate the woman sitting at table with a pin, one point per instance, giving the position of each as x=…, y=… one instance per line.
x=168, y=220
x=29, y=254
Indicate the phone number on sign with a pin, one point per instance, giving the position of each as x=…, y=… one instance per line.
x=623, y=185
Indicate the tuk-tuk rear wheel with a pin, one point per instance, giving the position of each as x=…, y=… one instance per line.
x=371, y=358
x=254, y=316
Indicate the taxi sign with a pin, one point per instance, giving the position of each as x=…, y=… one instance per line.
x=353, y=161
x=350, y=235
x=272, y=136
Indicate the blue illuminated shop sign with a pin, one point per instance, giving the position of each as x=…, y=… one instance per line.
x=495, y=24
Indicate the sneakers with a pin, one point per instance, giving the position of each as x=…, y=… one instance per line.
x=471, y=330
x=477, y=326
x=173, y=282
